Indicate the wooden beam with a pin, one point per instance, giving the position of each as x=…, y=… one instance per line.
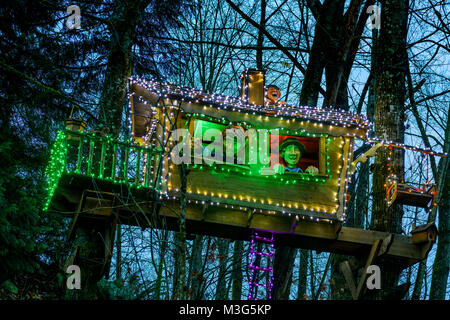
x=370, y=259
x=294, y=224
x=250, y=204
x=351, y=241
x=204, y=208
x=234, y=224
x=400, y=247
x=109, y=237
x=251, y=213
x=387, y=242
x=379, y=248
x=347, y=272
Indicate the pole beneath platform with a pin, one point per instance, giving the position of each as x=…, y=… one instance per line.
x=92, y=234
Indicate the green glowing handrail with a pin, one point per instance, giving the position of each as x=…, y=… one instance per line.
x=68, y=155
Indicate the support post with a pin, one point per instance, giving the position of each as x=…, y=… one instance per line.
x=379, y=248
x=93, y=232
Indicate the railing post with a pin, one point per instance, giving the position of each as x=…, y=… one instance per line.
x=80, y=148
x=147, y=168
x=102, y=160
x=91, y=151
x=138, y=162
x=113, y=169
x=87, y=165
x=125, y=165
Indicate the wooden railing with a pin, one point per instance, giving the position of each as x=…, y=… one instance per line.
x=101, y=157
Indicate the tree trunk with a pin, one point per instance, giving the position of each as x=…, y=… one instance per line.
x=442, y=261
x=302, y=274
x=221, y=289
x=336, y=41
x=282, y=267
x=119, y=252
x=326, y=23
x=339, y=287
x=238, y=253
x=89, y=257
x=160, y=265
x=327, y=20
x=389, y=116
x=123, y=23
x=362, y=197
x=345, y=48
x=180, y=288
x=441, y=176
x=195, y=268
x=260, y=40
x=122, y=27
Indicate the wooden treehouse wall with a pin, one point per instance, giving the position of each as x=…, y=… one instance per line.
x=321, y=195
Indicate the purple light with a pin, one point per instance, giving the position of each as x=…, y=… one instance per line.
x=253, y=294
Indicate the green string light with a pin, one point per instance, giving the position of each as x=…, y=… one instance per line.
x=299, y=177
x=57, y=165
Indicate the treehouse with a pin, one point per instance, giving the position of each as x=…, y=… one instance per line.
x=275, y=159
x=244, y=168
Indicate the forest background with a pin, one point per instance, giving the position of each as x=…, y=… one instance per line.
x=319, y=53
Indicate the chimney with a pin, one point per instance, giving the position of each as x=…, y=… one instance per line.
x=252, y=86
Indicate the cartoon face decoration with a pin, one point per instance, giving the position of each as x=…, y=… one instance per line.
x=291, y=152
x=291, y=155
x=273, y=93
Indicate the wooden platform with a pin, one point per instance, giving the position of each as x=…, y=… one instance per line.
x=142, y=208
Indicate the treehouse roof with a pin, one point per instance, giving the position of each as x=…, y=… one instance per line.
x=220, y=106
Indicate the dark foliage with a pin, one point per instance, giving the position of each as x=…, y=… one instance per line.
x=45, y=69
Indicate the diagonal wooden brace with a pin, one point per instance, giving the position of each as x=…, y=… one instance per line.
x=379, y=248
x=360, y=290
x=96, y=212
x=347, y=272
x=251, y=214
x=294, y=223
x=204, y=209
